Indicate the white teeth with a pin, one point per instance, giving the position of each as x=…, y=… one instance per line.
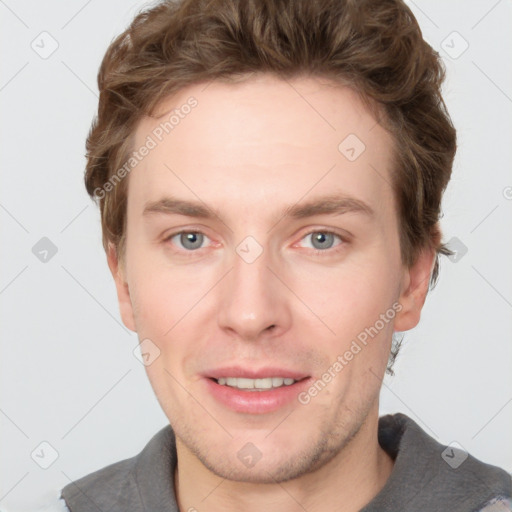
x=255, y=384
x=242, y=383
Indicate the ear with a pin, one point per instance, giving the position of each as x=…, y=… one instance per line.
x=123, y=292
x=415, y=283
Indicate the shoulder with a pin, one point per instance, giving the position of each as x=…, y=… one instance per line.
x=126, y=483
x=98, y=487
x=433, y=476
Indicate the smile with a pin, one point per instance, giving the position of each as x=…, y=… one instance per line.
x=261, y=395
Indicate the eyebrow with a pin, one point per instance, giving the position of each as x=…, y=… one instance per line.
x=325, y=205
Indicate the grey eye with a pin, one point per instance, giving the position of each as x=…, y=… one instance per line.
x=191, y=240
x=322, y=239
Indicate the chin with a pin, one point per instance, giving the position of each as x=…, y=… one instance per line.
x=265, y=461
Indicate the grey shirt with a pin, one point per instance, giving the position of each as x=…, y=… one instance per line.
x=426, y=476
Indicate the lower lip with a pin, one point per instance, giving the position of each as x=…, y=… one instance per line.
x=256, y=402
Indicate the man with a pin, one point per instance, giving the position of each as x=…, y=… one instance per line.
x=269, y=176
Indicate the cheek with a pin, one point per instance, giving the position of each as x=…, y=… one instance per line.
x=162, y=296
x=358, y=303
x=169, y=309
x=351, y=297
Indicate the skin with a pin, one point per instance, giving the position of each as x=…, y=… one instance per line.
x=249, y=151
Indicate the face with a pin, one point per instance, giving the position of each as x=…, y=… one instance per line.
x=263, y=272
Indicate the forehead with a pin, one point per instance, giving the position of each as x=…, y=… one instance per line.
x=266, y=136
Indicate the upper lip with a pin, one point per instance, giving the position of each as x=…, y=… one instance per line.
x=253, y=373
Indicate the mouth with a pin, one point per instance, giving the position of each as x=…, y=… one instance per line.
x=255, y=392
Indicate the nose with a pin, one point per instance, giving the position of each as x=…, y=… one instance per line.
x=254, y=303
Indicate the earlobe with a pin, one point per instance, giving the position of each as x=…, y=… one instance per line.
x=123, y=292
x=415, y=285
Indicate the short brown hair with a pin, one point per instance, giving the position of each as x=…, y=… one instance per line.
x=373, y=46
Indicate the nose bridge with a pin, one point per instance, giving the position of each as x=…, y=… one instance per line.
x=253, y=299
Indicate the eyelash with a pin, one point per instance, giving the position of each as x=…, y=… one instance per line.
x=316, y=252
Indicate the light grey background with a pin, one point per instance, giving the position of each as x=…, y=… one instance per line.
x=69, y=376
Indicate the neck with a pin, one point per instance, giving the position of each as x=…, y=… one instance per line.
x=346, y=483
